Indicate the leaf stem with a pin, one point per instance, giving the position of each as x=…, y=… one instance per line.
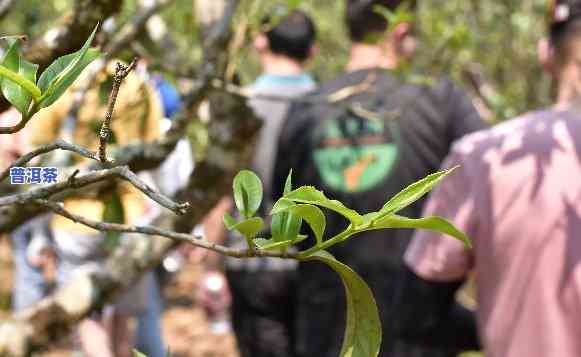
x=251, y=250
x=328, y=243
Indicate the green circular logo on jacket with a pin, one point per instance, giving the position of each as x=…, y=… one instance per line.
x=355, y=154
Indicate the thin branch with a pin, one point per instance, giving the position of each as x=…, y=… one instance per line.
x=179, y=208
x=15, y=128
x=121, y=172
x=59, y=144
x=121, y=71
x=155, y=231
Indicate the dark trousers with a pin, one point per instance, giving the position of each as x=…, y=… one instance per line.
x=263, y=312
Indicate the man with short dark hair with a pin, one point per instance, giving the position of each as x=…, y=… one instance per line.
x=368, y=134
x=293, y=37
x=262, y=288
x=517, y=194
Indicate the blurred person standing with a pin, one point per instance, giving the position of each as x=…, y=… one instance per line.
x=517, y=194
x=168, y=178
x=31, y=242
x=135, y=119
x=262, y=288
x=364, y=137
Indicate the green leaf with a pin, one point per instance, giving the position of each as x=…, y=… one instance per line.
x=64, y=71
x=282, y=205
x=414, y=192
x=61, y=83
x=312, y=215
x=19, y=77
x=247, y=193
x=310, y=195
x=436, y=224
x=23, y=82
x=363, y=330
x=285, y=225
x=136, y=353
x=288, y=185
x=249, y=228
x=368, y=220
x=269, y=244
x=229, y=221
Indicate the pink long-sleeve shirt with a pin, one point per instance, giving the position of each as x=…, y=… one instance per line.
x=517, y=194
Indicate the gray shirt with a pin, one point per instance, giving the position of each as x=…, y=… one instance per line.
x=273, y=112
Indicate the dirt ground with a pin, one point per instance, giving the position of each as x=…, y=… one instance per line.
x=185, y=328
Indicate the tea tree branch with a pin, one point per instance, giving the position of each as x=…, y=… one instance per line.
x=59, y=144
x=121, y=172
x=155, y=231
x=121, y=71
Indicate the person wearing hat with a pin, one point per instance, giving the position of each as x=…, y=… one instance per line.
x=517, y=194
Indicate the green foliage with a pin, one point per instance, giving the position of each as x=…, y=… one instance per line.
x=248, y=228
x=288, y=185
x=454, y=36
x=270, y=244
x=18, y=94
x=436, y=224
x=247, y=193
x=285, y=225
x=311, y=195
x=18, y=77
x=293, y=4
x=496, y=38
x=64, y=71
x=310, y=214
x=414, y=192
x=363, y=330
x=394, y=18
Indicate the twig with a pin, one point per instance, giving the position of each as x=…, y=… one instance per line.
x=59, y=144
x=72, y=178
x=121, y=72
x=179, y=208
x=15, y=128
x=155, y=231
x=121, y=172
